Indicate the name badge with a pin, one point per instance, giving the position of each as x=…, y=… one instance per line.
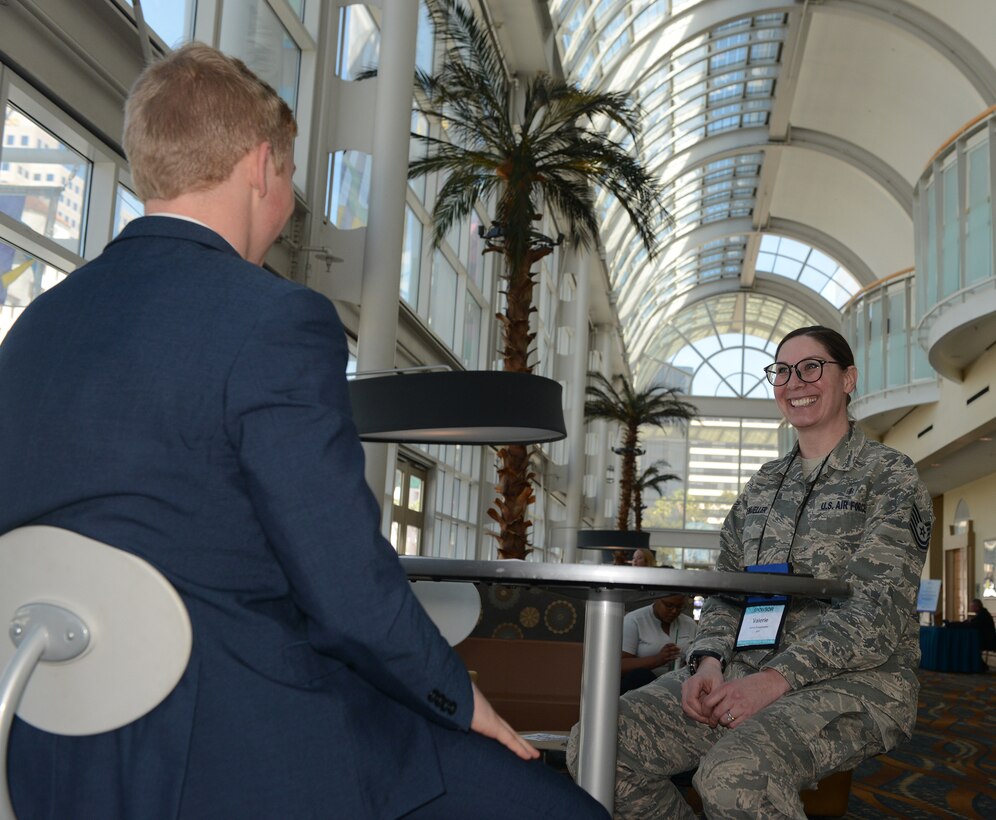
x=764, y=615
x=761, y=625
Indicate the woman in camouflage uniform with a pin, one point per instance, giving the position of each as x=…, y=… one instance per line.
x=761, y=723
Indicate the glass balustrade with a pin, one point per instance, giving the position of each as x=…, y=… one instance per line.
x=880, y=322
x=953, y=220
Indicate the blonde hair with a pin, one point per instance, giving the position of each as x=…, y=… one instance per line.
x=193, y=115
x=648, y=555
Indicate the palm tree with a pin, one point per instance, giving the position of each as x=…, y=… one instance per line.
x=556, y=157
x=632, y=409
x=650, y=479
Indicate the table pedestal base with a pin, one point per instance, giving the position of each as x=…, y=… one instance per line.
x=600, y=694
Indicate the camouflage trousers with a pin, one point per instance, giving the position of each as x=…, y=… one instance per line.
x=753, y=771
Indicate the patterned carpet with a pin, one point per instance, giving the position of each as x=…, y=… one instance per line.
x=948, y=769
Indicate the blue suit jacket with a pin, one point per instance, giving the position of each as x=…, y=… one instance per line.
x=177, y=402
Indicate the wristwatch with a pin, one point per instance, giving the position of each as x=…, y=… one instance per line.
x=693, y=660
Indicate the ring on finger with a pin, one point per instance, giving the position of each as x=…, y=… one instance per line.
x=729, y=717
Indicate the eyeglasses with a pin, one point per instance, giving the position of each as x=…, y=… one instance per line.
x=808, y=370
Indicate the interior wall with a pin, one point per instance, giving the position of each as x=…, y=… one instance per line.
x=978, y=495
x=950, y=418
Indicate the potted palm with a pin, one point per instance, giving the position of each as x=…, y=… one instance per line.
x=631, y=409
x=650, y=479
x=552, y=149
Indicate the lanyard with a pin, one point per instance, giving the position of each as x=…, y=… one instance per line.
x=798, y=512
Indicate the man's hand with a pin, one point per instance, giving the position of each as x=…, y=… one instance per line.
x=488, y=722
x=707, y=679
x=734, y=701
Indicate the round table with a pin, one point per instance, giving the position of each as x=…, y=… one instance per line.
x=608, y=587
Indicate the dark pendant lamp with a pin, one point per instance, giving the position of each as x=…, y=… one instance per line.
x=613, y=544
x=457, y=407
x=613, y=540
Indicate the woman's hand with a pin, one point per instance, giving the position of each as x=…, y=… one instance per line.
x=706, y=680
x=734, y=701
x=667, y=655
x=488, y=722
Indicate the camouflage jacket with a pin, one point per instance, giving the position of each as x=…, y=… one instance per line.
x=867, y=522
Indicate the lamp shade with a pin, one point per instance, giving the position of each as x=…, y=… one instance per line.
x=613, y=540
x=458, y=407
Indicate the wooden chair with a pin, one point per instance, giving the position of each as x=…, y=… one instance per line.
x=535, y=685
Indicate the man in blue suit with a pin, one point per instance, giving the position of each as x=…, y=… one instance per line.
x=174, y=399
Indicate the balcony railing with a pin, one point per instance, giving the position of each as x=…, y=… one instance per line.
x=955, y=248
x=894, y=373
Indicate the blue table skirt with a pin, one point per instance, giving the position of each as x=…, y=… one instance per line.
x=945, y=649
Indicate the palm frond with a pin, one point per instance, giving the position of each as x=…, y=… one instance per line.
x=466, y=42
x=655, y=405
x=652, y=478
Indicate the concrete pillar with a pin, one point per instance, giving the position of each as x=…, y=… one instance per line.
x=377, y=333
x=577, y=379
x=603, y=430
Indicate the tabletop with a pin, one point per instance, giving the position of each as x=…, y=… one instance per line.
x=609, y=576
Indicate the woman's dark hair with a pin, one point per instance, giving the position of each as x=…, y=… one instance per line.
x=836, y=345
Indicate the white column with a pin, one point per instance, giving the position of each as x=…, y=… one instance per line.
x=577, y=379
x=377, y=333
x=603, y=430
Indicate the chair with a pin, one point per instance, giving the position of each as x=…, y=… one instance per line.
x=533, y=684
x=453, y=606
x=97, y=637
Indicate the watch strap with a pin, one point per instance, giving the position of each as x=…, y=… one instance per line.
x=693, y=660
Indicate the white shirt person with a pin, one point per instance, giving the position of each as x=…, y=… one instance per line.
x=656, y=639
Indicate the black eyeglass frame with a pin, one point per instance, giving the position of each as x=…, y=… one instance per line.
x=772, y=375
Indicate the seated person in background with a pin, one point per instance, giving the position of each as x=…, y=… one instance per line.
x=981, y=620
x=643, y=558
x=655, y=640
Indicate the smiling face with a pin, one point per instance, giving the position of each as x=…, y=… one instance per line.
x=817, y=410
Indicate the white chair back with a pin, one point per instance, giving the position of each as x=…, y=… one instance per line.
x=454, y=606
x=97, y=637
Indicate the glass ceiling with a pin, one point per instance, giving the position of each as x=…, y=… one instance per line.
x=721, y=345
x=691, y=315
x=807, y=266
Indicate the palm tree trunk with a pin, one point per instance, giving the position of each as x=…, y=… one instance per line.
x=514, y=490
x=627, y=477
x=515, y=494
x=516, y=335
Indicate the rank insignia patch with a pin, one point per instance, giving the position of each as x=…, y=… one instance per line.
x=920, y=529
